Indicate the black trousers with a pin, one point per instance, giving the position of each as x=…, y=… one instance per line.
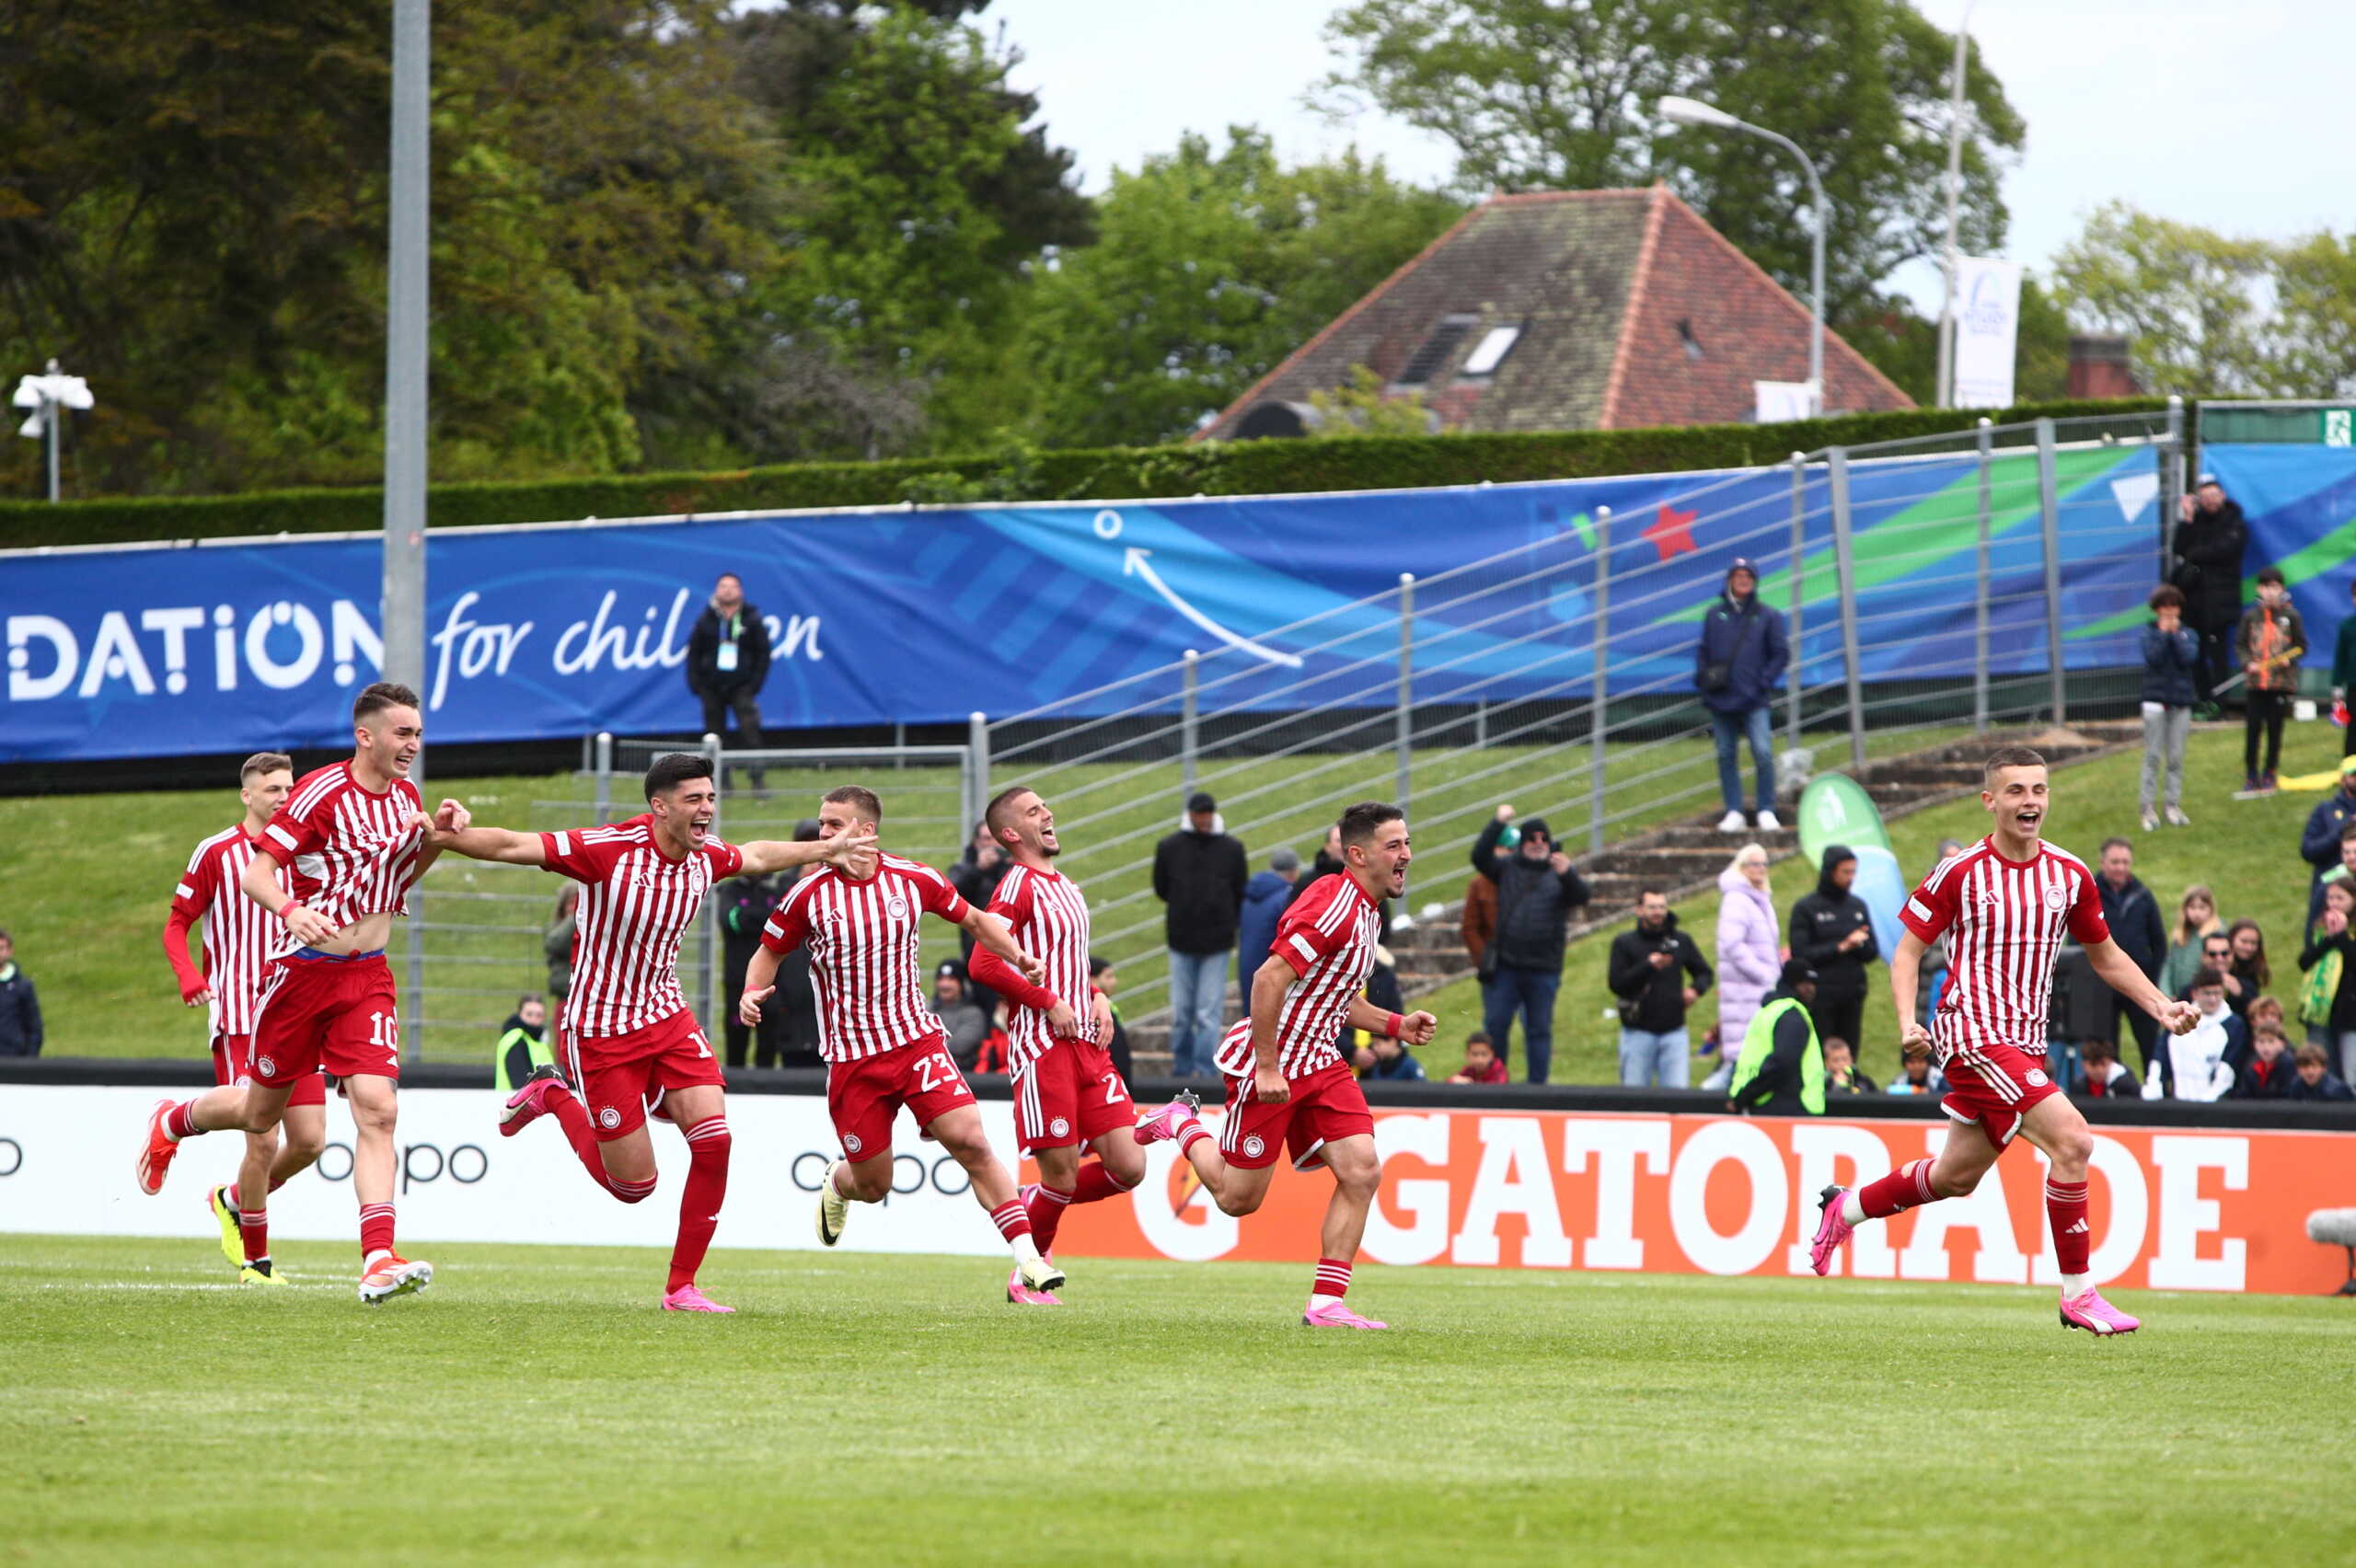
x=1838, y=1018
x=2216, y=658
x=2266, y=712
x=764, y=1041
x=747, y=706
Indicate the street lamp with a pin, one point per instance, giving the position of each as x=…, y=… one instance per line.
x=46, y=396
x=1693, y=111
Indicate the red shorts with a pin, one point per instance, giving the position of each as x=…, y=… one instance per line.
x=233, y=1062
x=1071, y=1095
x=1994, y=1086
x=863, y=1096
x=331, y=1014
x=1325, y=1107
x=620, y=1078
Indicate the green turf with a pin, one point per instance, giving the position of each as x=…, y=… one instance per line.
x=533, y=1407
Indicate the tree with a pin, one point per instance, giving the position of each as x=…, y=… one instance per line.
x=1210, y=266
x=1360, y=409
x=2315, y=291
x=1541, y=96
x=2190, y=301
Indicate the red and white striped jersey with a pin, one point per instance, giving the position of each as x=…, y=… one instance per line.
x=862, y=943
x=1327, y=936
x=353, y=851
x=2003, y=921
x=1049, y=919
x=636, y=902
x=239, y=934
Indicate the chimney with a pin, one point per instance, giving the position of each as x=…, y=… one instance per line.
x=2099, y=368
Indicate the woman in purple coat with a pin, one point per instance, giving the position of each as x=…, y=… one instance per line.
x=1749, y=959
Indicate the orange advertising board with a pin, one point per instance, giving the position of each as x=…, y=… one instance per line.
x=2173, y=1209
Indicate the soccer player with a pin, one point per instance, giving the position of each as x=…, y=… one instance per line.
x=350, y=840
x=627, y=1035
x=2003, y=904
x=882, y=1046
x=236, y=941
x=1067, y=1095
x=1288, y=1085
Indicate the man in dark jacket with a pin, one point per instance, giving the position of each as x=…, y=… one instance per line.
x=1780, y=1069
x=728, y=658
x=1656, y=972
x=2209, y=544
x=1834, y=931
x=21, y=1032
x=2137, y=926
x=1198, y=872
x=745, y=904
x=1537, y=890
x=1737, y=664
x=2319, y=844
x=1264, y=898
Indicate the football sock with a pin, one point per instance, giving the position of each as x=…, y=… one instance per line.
x=707, y=1188
x=1906, y=1187
x=1015, y=1225
x=253, y=1228
x=179, y=1122
x=1189, y=1136
x=375, y=1230
x=1096, y=1185
x=1045, y=1209
x=230, y=1196
x=2065, y=1211
x=573, y=1117
x=1332, y=1283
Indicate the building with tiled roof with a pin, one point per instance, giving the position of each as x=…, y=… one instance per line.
x=1569, y=310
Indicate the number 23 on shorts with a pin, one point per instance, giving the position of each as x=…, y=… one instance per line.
x=936, y=1071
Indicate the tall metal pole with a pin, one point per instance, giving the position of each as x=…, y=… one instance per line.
x=1943, y=391
x=53, y=414
x=2171, y=484
x=1844, y=565
x=1980, y=594
x=1403, y=742
x=978, y=747
x=1189, y=681
x=1596, y=720
x=402, y=608
x=1799, y=571
x=2049, y=506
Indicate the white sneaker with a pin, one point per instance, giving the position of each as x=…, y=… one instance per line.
x=1733, y=821
x=2150, y=822
x=2178, y=819
x=1039, y=1274
x=1768, y=823
x=834, y=1213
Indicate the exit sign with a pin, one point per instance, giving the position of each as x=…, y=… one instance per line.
x=2340, y=427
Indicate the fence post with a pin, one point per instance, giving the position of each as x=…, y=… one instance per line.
x=605, y=796
x=707, y=971
x=2049, y=506
x=1480, y=723
x=1404, y=743
x=1979, y=592
x=1799, y=573
x=2171, y=484
x=1190, y=675
x=977, y=757
x=1844, y=565
x=1595, y=722
x=899, y=746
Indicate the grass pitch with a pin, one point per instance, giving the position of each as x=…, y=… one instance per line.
x=535, y=1407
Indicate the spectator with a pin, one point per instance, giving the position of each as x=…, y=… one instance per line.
x=2133, y=915
x=795, y=1002
x=2325, y=843
x=1481, y=930
x=1107, y=979
x=2217, y=953
x=728, y=658
x=2343, y=675
x=1481, y=1062
x=1537, y=890
x=2344, y=871
x=20, y=1032
x=979, y=868
x=1834, y=931
x=2106, y=1076
x=2268, y=1073
x=2311, y=1078
x=522, y=1044
x=2208, y=546
x=1917, y=1076
x=1737, y=666
x=1748, y=963
x=1842, y=1074
x=1780, y=1069
x=1656, y=972
x=1390, y=1060
x=1264, y=898
x=2250, y=973
x=959, y=1016
x=1198, y=872
x=2268, y=643
x=745, y=904
x=2171, y=655
x=556, y=940
x=2265, y=1011
x=2196, y=919
x=2327, y=1001
x=2200, y=1066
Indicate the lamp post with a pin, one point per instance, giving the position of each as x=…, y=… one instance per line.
x=47, y=395
x=1945, y=390
x=1693, y=111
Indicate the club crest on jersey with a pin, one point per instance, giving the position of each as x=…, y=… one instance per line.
x=609, y=1118
x=897, y=905
x=2036, y=1078
x=1253, y=1147
x=850, y=1142
x=1059, y=1126
x=265, y=1067
x=2055, y=897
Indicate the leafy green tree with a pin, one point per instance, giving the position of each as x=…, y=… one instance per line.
x=1358, y=409
x=1210, y=266
x=2316, y=292
x=1537, y=94
x=2190, y=301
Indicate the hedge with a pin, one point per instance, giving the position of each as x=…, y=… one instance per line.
x=1250, y=468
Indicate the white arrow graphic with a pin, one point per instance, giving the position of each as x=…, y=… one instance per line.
x=2136, y=492
x=1133, y=563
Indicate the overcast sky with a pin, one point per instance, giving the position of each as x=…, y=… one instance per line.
x=2240, y=116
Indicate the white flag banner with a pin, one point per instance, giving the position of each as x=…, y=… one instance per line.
x=1777, y=401
x=1987, y=330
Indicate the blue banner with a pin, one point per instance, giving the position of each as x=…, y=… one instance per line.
x=927, y=615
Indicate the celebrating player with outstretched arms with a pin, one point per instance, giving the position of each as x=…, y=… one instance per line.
x=1287, y=1084
x=882, y=1046
x=2003, y=905
x=627, y=1035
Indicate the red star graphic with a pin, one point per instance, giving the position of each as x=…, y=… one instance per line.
x=1672, y=532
